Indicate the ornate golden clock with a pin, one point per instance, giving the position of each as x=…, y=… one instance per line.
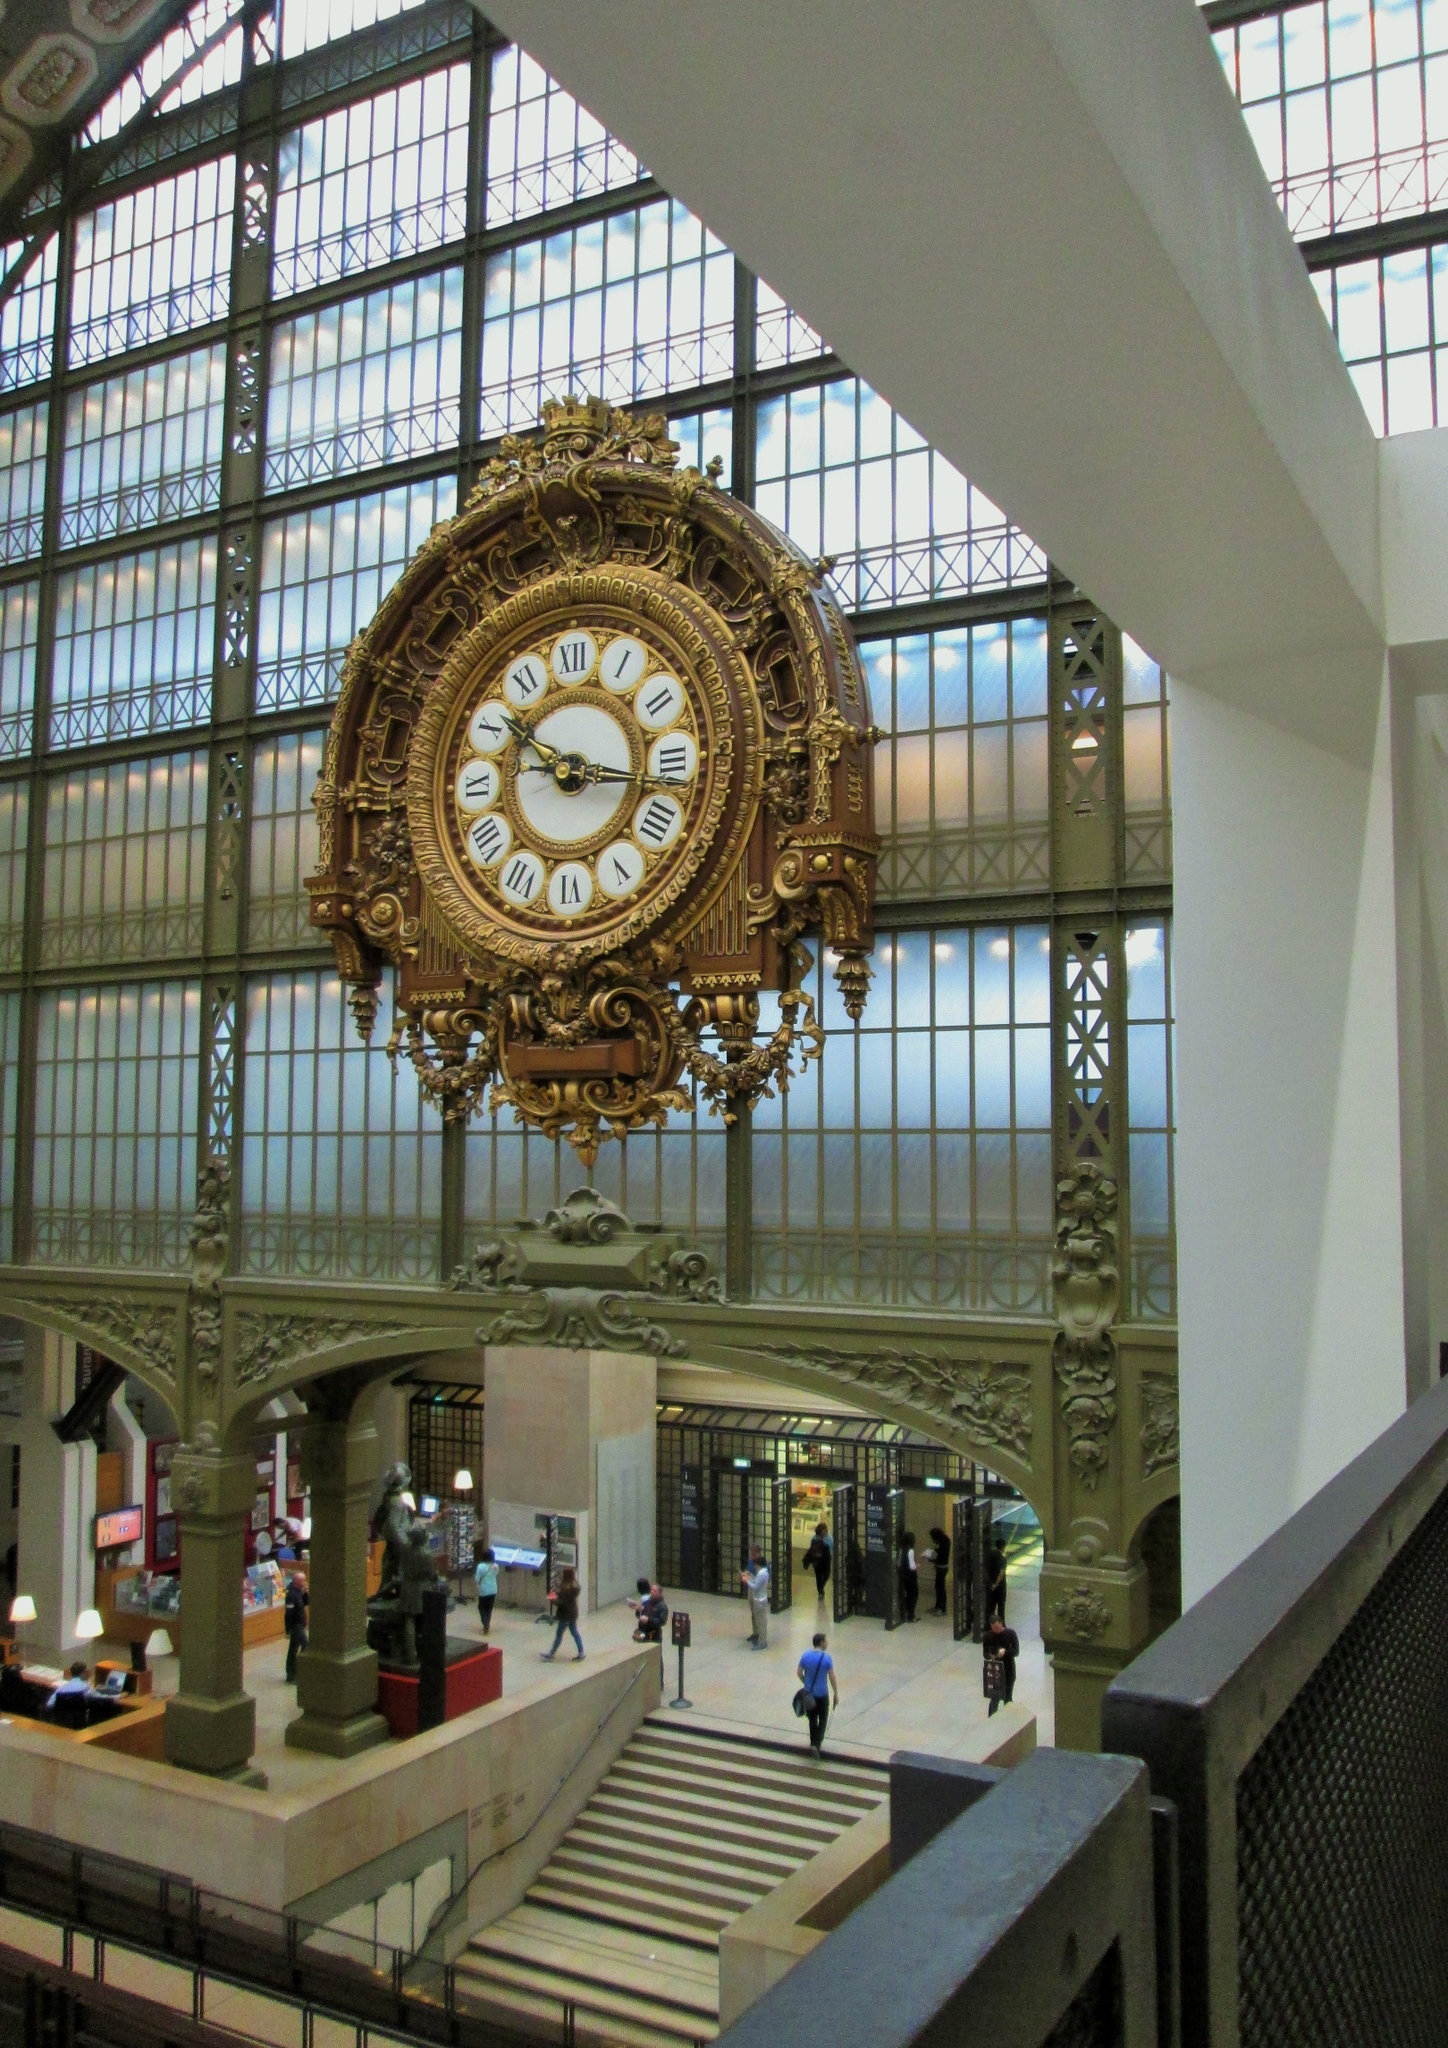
x=600, y=764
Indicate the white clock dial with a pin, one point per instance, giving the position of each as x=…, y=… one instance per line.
x=570, y=889
x=624, y=661
x=488, y=728
x=659, y=702
x=620, y=869
x=525, y=682
x=596, y=738
x=521, y=878
x=674, y=758
x=478, y=785
x=489, y=838
x=574, y=656
x=658, y=822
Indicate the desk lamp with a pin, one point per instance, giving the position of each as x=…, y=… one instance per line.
x=158, y=1644
x=89, y=1626
x=22, y=1609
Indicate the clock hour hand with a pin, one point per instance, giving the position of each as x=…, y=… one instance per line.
x=520, y=732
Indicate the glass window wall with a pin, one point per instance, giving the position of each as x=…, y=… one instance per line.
x=912, y=1162
x=19, y=633
x=342, y=1160
x=125, y=850
x=544, y=150
x=134, y=645
x=117, y=1076
x=284, y=773
x=144, y=447
x=845, y=476
x=383, y=178
x=372, y=380
x=154, y=263
x=22, y=481
x=637, y=303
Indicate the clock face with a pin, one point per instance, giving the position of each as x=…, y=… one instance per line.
x=576, y=768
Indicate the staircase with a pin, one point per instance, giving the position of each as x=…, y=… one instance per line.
x=688, y=1830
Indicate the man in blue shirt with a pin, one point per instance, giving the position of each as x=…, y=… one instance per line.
x=77, y=1682
x=817, y=1676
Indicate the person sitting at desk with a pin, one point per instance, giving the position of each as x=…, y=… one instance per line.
x=77, y=1685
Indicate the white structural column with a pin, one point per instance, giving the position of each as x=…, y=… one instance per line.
x=1040, y=230
x=55, y=1561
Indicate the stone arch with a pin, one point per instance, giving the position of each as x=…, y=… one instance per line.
x=1156, y=1543
x=994, y=1411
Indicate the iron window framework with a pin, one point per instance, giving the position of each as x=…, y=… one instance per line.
x=253, y=709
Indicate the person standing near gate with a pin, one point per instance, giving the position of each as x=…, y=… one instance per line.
x=820, y=1556
x=939, y=1556
x=294, y=1621
x=1000, y=1647
x=485, y=1579
x=755, y=1580
x=817, y=1678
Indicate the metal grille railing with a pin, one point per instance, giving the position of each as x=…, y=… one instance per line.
x=1295, y=1718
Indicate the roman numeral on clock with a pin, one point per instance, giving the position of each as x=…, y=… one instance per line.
x=658, y=701
x=673, y=759
x=573, y=656
x=522, y=878
x=656, y=822
x=489, y=839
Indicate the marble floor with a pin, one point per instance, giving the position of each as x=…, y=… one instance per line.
x=909, y=1688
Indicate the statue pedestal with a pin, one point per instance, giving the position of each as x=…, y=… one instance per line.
x=472, y=1677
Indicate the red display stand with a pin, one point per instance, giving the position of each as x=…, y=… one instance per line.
x=471, y=1679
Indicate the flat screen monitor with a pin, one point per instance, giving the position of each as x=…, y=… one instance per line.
x=514, y=1554
x=122, y=1525
x=429, y=1504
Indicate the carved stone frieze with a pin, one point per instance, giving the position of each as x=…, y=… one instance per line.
x=1159, y=1424
x=147, y=1328
x=1087, y=1293
x=987, y=1399
x=580, y=1319
x=210, y=1228
x=266, y=1344
x=1080, y=1614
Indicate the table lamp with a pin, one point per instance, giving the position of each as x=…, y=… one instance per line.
x=463, y=1481
x=88, y=1626
x=22, y=1609
x=158, y=1644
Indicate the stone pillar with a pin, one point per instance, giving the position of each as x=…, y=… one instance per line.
x=1095, y=1617
x=211, y=1722
x=559, y=1423
x=337, y=1673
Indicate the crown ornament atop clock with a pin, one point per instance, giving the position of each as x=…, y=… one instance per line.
x=601, y=764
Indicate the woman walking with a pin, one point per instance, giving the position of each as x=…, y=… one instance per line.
x=821, y=1555
x=566, y=1614
x=817, y=1677
x=485, y=1579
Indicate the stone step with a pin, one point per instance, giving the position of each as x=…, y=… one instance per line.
x=746, y=1870
x=703, y=1890
x=583, y=1959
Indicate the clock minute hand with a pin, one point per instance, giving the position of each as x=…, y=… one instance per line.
x=598, y=773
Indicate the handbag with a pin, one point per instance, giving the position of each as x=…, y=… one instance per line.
x=800, y=1703
x=993, y=1678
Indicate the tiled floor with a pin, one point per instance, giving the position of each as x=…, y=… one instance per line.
x=910, y=1688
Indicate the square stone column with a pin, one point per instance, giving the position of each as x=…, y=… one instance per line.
x=211, y=1721
x=572, y=1432
x=337, y=1673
